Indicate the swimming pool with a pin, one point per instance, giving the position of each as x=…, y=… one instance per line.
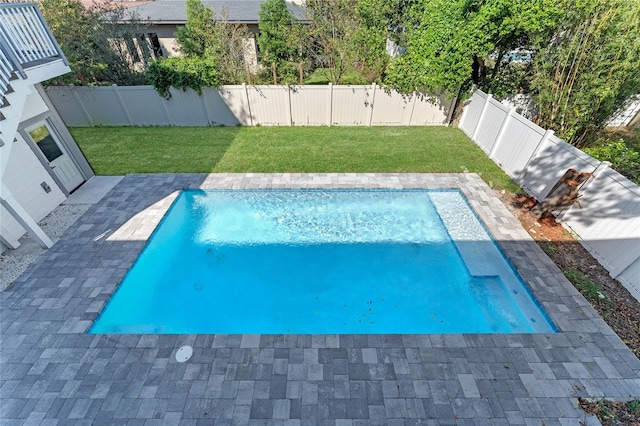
x=331, y=261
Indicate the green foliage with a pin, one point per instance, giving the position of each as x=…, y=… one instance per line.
x=196, y=35
x=182, y=73
x=588, y=289
x=451, y=42
x=322, y=76
x=227, y=48
x=333, y=40
x=287, y=72
x=280, y=43
x=623, y=159
x=612, y=413
x=279, y=33
x=370, y=38
x=87, y=36
x=437, y=56
x=633, y=407
x=217, y=40
x=586, y=66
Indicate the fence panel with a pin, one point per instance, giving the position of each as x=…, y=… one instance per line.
x=269, y=105
x=185, y=108
x=102, y=105
x=391, y=108
x=430, y=111
x=351, y=105
x=68, y=107
x=310, y=105
x=218, y=111
x=144, y=106
x=518, y=143
x=246, y=105
x=235, y=97
x=607, y=219
x=552, y=159
x=493, y=118
x=472, y=112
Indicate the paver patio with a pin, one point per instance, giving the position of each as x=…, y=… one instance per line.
x=51, y=372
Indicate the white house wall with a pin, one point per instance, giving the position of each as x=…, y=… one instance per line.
x=34, y=105
x=23, y=177
x=166, y=38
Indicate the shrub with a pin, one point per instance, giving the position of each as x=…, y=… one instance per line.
x=624, y=159
x=182, y=73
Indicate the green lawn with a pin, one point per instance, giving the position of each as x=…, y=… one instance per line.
x=122, y=150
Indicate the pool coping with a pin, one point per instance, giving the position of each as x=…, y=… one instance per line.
x=52, y=370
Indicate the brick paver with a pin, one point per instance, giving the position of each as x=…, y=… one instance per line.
x=53, y=373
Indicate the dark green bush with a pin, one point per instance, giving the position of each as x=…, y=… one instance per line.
x=624, y=159
x=182, y=73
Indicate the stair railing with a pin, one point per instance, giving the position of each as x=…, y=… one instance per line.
x=25, y=39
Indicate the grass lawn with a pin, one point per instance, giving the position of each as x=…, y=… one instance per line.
x=123, y=150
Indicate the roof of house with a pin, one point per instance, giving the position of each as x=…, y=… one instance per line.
x=174, y=11
x=102, y=5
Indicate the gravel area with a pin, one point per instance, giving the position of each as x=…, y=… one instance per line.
x=14, y=262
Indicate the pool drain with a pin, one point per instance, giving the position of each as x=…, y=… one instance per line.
x=184, y=353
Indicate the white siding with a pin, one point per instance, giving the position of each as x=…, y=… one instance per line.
x=34, y=105
x=23, y=177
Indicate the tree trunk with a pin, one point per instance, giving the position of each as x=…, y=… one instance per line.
x=563, y=195
x=273, y=69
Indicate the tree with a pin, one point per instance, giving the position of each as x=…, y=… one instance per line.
x=370, y=37
x=228, y=46
x=278, y=40
x=88, y=38
x=214, y=41
x=198, y=33
x=587, y=66
x=333, y=36
x=452, y=41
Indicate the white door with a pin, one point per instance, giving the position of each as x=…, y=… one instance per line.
x=59, y=160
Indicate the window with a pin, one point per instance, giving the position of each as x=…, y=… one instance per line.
x=155, y=45
x=46, y=143
x=133, y=50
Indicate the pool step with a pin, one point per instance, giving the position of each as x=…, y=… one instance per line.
x=478, y=251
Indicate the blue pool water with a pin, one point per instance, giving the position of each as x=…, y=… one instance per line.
x=352, y=261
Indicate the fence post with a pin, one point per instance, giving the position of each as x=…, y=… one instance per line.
x=373, y=100
x=82, y=107
x=413, y=106
x=290, y=112
x=205, y=105
x=330, y=110
x=484, y=110
x=501, y=132
x=122, y=104
x=246, y=92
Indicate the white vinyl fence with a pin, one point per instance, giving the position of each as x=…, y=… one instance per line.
x=607, y=217
x=245, y=105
